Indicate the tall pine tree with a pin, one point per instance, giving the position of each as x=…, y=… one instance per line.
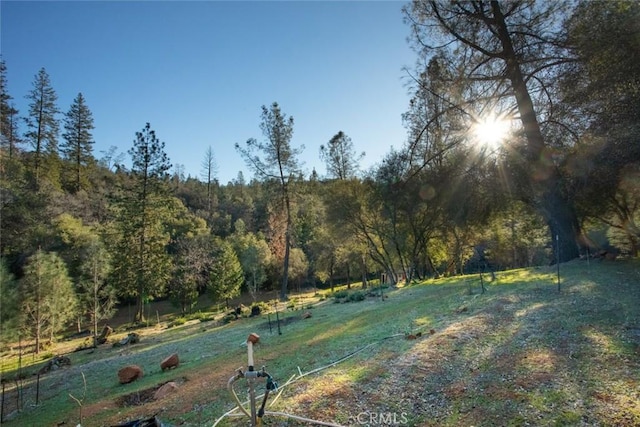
x=279, y=163
x=142, y=265
x=8, y=115
x=42, y=124
x=78, y=140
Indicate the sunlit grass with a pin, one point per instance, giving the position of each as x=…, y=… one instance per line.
x=520, y=338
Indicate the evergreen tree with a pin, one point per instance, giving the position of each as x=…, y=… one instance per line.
x=226, y=275
x=77, y=148
x=8, y=115
x=209, y=170
x=279, y=163
x=8, y=304
x=42, y=124
x=340, y=157
x=47, y=297
x=142, y=265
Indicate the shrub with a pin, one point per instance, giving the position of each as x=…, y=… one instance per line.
x=202, y=317
x=228, y=318
x=178, y=321
x=264, y=307
x=341, y=294
x=356, y=296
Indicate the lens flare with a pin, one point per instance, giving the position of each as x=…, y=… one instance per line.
x=490, y=130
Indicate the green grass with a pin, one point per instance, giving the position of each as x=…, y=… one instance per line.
x=519, y=354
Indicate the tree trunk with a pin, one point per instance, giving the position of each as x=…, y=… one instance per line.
x=287, y=248
x=554, y=206
x=364, y=272
x=563, y=225
x=139, y=314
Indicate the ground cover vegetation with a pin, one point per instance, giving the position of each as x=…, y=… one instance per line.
x=438, y=352
x=523, y=149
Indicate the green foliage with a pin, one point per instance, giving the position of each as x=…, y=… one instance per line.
x=340, y=157
x=9, y=133
x=226, y=275
x=345, y=295
x=142, y=265
x=192, y=265
x=96, y=294
x=275, y=159
x=43, y=127
x=9, y=304
x=264, y=306
x=601, y=91
x=177, y=321
x=47, y=298
x=254, y=255
x=77, y=148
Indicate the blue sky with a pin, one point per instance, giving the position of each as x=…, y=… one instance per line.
x=199, y=72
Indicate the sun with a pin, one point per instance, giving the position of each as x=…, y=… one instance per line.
x=490, y=130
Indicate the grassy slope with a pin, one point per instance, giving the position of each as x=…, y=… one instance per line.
x=520, y=354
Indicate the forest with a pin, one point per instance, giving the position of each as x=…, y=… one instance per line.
x=81, y=232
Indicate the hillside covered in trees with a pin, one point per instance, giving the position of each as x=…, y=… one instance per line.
x=80, y=232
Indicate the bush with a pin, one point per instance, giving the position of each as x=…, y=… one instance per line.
x=228, y=318
x=340, y=294
x=356, y=296
x=202, y=317
x=178, y=321
x=264, y=307
x=292, y=304
x=346, y=296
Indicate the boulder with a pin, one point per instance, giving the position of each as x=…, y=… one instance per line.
x=54, y=364
x=129, y=374
x=170, y=362
x=165, y=390
x=131, y=338
x=306, y=315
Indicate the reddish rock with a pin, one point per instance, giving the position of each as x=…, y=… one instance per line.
x=170, y=362
x=129, y=374
x=165, y=390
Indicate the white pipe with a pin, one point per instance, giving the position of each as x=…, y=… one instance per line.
x=250, y=354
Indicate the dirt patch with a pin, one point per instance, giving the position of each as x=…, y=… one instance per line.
x=140, y=397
